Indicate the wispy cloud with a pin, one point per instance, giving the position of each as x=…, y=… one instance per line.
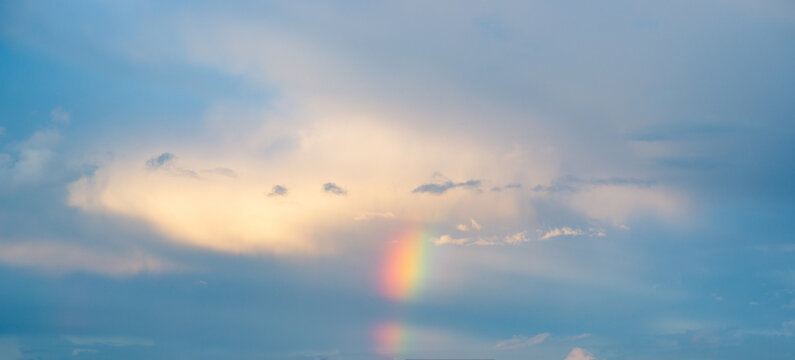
x=562, y=231
x=53, y=257
x=521, y=341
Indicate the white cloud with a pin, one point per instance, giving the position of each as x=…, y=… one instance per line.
x=562, y=231
x=62, y=258
x=448, y=240
x=462, y=227
x=475, y=224
x=579, y=354
x=515, y=239
x=521, y=341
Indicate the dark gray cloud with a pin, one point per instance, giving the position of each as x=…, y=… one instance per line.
x=332, y=188
x=278, y=190
x=441, y=188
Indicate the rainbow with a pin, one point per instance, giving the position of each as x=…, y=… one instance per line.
x=390, y=337
x=402, y=272
x=404, y=265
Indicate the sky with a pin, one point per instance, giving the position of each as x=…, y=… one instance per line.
x=329, y=180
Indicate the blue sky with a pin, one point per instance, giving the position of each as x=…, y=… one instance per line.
x=348, y=180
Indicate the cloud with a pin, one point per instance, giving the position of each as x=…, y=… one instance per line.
x=449, y=240
x=60, y=258
x=473, y=225
x=506, y=187
x=59, y=116
x=441, y=188
x=579, y=354
x=521, y=341
x=513, y=239
x=230, y=214
x=278, y=190
x=166, y=162
x=332, y=188
x=516, y=239
x=33, y=158
x=563, y=231
x=163, y=160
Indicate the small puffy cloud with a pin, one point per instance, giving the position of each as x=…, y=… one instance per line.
x=521, y=341
x=473, y=225
x=563, y=231
x=278, y=190
x=579, y=354
x=449, y=240
x=59, y=116
x=333, y=188
x=441, y=188
x=516, y=239
x=62, y=258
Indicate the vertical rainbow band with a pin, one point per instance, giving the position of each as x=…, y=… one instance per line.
x=404, y=265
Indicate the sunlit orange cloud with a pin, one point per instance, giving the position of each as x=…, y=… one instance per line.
x=378, y=166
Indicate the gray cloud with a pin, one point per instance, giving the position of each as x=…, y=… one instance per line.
x=165, y=161
x=441, y=188
x=278, y=190
x=573, y=184
x=160, y=161
x=334, y=189
x=506, y=187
